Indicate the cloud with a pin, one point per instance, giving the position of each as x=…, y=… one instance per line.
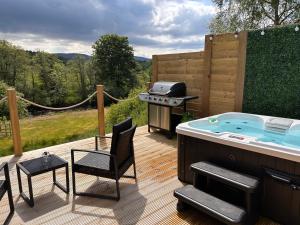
x=74, y=25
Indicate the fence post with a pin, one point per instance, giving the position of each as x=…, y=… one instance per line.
x=100, y=105
x=239, y=85
x=154, y=68
x=206, y=76
x=14, y=120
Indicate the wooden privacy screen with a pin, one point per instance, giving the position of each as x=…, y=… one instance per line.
x=216, y=74
x=186, y=67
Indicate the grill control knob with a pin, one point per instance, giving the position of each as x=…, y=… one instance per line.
x=160, y=99
x=150, y=98
x=154, y=99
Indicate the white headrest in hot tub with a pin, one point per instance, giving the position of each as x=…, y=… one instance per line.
x=279, y=123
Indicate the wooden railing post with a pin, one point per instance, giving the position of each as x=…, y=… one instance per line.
x=14, y=120
x=100, y=105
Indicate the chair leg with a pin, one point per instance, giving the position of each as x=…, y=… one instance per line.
x=96, y=143
x=9, y=217
x=134, y=170
x=73, y=182
x=118, y=189
x=10, y=197
x=11, y=206
x=12, y=210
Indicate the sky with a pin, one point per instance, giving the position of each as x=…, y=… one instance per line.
x=73, y=26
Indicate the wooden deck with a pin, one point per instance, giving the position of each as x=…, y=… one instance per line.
x=149, y=201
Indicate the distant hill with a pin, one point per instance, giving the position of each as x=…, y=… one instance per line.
x=69, y=56
x=141, y=59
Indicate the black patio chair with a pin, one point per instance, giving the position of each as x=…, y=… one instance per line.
x=113, y=164
x=124, y=125
x=6, y=187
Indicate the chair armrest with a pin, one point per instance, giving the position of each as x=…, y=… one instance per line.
x=3, y=165
x=96, y=140
x=6, y=171
x=99, y=136
x=91, y=151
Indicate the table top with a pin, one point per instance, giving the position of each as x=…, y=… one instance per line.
x=38, y=165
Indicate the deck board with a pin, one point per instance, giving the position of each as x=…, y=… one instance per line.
x=149, y=201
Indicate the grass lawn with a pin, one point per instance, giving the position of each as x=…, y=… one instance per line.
x=52, y=129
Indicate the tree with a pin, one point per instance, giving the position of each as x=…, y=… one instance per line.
x=50, y=73
x=13, y=64
x=142, y=73
x=114, y=61
x=78, y=68
x=236, y=15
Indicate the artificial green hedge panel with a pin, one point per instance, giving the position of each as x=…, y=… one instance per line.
x=272, y=82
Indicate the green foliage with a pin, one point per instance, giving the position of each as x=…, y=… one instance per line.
x=13, y=64
x=43, y=78
x=253, y=14
x=187, y=116
x=48, y=130
x=47, y=80
x=50, y=72
x=132, y=107
x=143, y=72
x=114, y=61
x=78, y=70
x=273, y=73
x=22, y=107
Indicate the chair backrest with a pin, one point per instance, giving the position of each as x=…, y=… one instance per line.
x=117, y=129
x=124, y=147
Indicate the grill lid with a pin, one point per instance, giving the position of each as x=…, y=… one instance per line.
x=170, y=89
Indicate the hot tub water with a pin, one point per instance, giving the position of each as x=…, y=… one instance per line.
x=248, y=127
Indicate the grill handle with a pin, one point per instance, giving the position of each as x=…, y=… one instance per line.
x=159, y=93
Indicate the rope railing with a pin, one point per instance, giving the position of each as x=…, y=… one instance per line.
x=14, y=117
x=57, y=108
x=117, y=99
x=3, y=100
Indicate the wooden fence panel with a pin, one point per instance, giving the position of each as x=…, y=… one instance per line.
x=186, y=67
x=224, y=62
x=216, y=74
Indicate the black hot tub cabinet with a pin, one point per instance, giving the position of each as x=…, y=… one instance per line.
x=280, y=177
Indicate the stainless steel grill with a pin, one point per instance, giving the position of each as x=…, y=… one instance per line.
x=161, y=98
x=169, y=89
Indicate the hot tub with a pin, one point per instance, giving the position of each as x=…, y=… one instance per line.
x=246, y=131
x=247, y=143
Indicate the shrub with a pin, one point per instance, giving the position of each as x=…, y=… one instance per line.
x=132, y=107
x=186, y=117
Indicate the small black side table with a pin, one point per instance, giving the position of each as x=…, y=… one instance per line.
x=37, y=166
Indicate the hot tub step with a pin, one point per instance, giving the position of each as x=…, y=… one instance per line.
x=217, y=208
x=241, y=181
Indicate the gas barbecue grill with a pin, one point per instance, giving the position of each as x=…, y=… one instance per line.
x=161, y=98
